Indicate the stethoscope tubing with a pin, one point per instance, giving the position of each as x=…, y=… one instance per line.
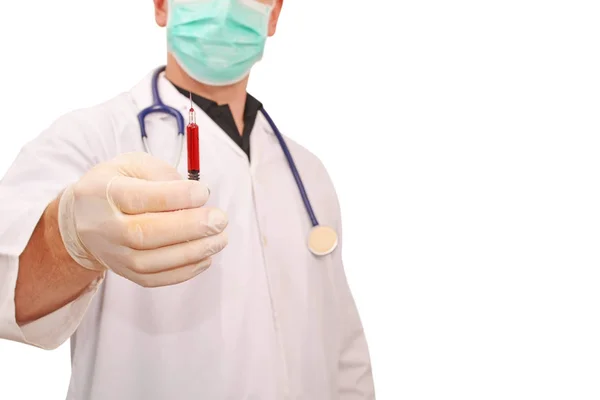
x=295, y=173
x=159, y=107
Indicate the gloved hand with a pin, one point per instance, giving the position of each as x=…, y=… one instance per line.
x=136, y=216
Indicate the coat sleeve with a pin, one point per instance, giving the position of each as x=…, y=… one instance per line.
x=41, y=170
x=355, y=371
x=355, y=376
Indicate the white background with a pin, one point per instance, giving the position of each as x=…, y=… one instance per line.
x=464, y=141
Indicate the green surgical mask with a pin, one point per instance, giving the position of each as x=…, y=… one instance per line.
x=217, y=42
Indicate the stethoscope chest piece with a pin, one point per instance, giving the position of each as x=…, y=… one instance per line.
x=322, y=240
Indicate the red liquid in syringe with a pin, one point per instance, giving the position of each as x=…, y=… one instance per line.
x=193, y=147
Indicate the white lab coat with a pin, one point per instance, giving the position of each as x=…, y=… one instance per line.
x=267, y=321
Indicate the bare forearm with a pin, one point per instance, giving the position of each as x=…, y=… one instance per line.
x=48, y=277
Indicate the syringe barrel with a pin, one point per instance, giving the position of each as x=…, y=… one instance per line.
x=193, y=149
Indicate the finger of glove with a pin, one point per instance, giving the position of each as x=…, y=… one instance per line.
x=170, y=257
x=145, y=166
x=154, y=230
x=138, y=196
x=166, y=278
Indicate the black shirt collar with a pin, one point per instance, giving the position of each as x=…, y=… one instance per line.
x=222, y=116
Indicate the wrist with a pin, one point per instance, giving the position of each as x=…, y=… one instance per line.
x=72, y=244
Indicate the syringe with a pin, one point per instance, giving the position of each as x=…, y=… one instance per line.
x=193, y=145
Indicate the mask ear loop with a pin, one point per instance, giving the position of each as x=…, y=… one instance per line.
x=255, y=5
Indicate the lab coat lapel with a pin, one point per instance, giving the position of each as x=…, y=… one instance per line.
x=264, y=146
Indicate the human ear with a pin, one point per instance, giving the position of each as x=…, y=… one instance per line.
x=275, y=17
x=160, y=12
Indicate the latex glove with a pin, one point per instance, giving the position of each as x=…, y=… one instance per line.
x=136, y=216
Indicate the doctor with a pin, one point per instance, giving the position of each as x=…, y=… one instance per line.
x=169, y=289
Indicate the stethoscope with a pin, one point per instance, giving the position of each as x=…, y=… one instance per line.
x=322, y=240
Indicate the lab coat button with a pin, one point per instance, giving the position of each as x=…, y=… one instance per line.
x=264, y=238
